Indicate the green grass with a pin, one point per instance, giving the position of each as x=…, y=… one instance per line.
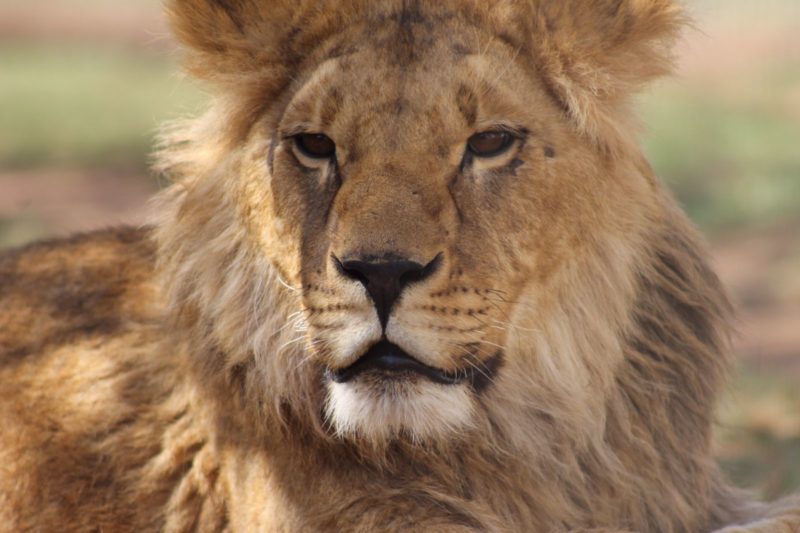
x=732, y=159
x=77, y=105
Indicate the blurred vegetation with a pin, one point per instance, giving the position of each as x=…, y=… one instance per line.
x=78, y=105
x=732, y=161
x=728, y=144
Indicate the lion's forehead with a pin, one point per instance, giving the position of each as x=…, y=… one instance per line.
x=370, y=96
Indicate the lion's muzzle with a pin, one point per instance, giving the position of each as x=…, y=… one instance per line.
x=386, y=277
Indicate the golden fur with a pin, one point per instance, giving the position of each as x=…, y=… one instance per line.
x=173, y=378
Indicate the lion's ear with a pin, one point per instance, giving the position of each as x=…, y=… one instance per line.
x=596, y=53
x=219, y=35
x=228, y=38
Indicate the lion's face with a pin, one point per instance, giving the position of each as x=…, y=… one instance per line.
x=450, y=188
x=412, y=198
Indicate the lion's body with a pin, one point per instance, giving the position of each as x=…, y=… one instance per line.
x=85, y=387
x=180, y=378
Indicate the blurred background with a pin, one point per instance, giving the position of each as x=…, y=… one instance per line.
x=84, y=85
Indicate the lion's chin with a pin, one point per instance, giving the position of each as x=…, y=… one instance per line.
x=375, y=411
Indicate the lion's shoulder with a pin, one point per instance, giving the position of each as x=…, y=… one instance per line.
x=54, y=292
x=92, y=398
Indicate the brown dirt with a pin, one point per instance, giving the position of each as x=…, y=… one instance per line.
x=731, y=39
x=37, y=204
x=136, y=23
x=761, y=268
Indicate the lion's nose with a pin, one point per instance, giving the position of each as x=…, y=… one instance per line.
x=385, y=279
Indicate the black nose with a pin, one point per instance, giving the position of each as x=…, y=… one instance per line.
x=386, y=279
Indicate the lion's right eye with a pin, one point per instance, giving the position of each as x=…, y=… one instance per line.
x=315, y=145
x=490, y=143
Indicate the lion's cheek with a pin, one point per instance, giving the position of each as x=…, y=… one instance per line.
x=270, y=214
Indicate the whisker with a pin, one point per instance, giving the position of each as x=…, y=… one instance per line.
x=514, y=326
x=289, y=343
x=282, y=282
x=308, y=357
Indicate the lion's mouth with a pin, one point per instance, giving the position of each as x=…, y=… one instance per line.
x=388, y=359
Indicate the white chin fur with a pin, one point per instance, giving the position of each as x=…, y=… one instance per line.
x=378, y=410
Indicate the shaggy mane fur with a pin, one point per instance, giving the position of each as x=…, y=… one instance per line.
x=173, y=378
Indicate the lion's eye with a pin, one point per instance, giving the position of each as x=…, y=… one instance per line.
x=315, y=145
x=490, y=143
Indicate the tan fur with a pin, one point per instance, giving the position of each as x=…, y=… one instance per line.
x=172, y=378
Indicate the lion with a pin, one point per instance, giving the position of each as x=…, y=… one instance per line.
x=413, y=273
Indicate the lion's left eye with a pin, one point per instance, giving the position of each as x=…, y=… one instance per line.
x=490, y=143
x=315, y=145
